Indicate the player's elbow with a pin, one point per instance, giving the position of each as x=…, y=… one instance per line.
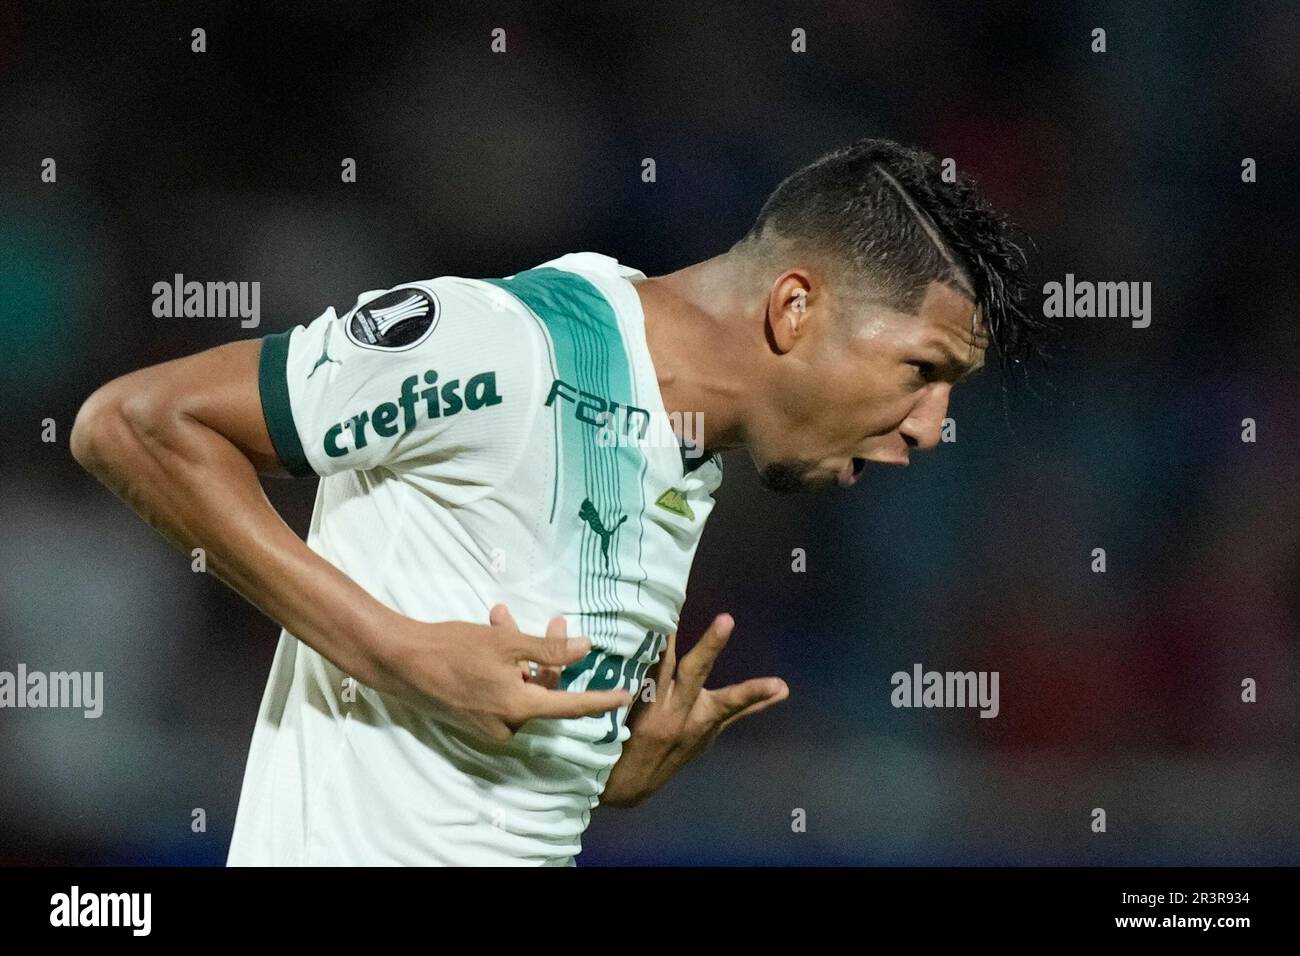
x=98, y=415
x=114, y=418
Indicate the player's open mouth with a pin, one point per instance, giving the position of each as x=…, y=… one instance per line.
x=849, y=475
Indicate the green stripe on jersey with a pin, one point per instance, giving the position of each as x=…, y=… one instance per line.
x=590, y=355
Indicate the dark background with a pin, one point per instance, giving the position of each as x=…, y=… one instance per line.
x=1118, y=690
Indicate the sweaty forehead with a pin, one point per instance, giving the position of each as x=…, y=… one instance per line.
x=953, y=314
x=945, y=317
x=948, y=310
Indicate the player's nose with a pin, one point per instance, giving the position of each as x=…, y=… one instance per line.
x=923, y=427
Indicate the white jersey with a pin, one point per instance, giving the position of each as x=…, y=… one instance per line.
x=479, y=442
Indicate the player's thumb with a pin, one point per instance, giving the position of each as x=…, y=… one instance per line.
x=748, y=698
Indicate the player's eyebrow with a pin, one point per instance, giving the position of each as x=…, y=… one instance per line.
x=962, y=368
x=969, y=369
x=977, y=339
x=958, y=368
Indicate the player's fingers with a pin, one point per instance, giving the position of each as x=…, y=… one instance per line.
x=589, y=703
x=549, y=675
x=747, y=698
x=500, y=616
x=749, y=712
x=695, y=666
x=554, y=651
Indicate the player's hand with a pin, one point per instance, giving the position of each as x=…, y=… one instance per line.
x=547, y=675
x=684, y=719
x=474, y=674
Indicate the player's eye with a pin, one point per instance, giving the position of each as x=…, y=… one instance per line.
x=925, y=370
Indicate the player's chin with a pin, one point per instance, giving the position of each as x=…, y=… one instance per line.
x=795, y=477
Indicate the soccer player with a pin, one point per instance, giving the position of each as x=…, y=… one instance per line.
x=501, y=538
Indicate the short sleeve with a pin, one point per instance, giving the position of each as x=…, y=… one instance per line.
x=432, y=375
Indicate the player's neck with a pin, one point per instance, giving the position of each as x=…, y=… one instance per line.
x=699, y=339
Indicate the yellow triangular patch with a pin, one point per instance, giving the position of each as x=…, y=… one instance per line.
x=675, y=501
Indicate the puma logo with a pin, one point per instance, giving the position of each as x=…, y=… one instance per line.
x=325, y=353
x=589, y=514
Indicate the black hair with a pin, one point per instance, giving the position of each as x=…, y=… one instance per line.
x=886, y=212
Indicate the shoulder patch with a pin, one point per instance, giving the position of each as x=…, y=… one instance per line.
x=395, y=321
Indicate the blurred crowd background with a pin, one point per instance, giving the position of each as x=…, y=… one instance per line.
x=1119, y=690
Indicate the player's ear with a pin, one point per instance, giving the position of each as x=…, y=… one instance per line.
x=787, y=310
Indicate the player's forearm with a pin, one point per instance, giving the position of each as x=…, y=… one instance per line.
x=201, y=491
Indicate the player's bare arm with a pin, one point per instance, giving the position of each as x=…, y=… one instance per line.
x=183, y=442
